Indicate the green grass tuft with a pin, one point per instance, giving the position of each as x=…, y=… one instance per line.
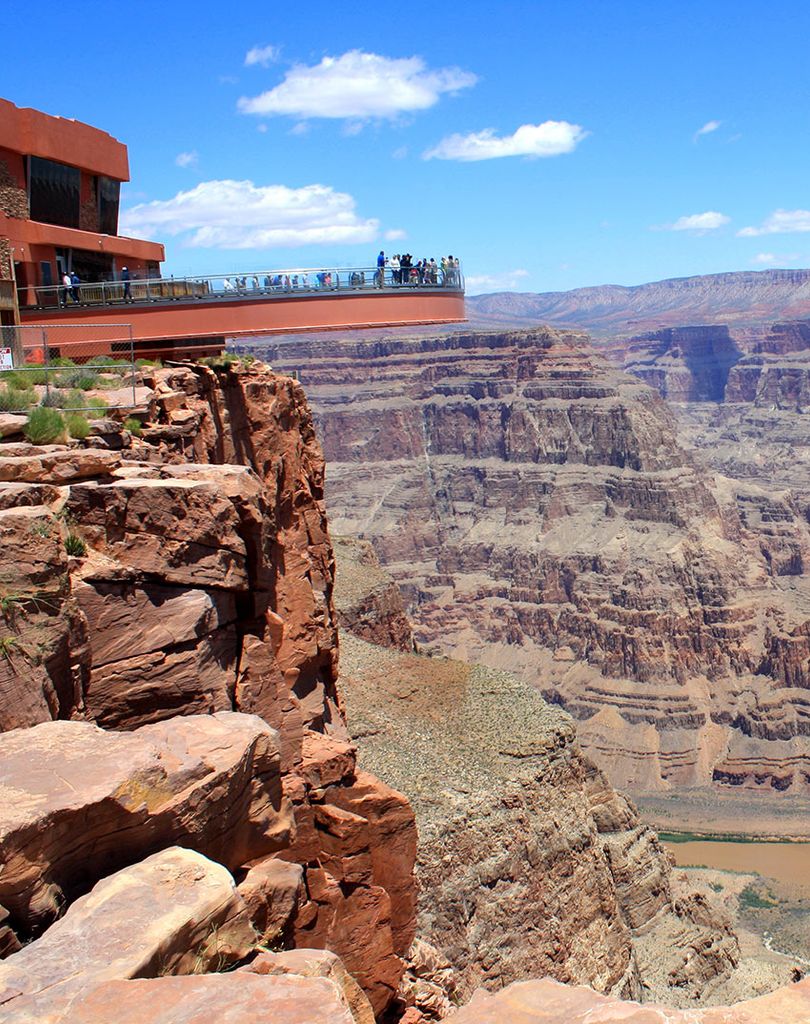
x=75, y=545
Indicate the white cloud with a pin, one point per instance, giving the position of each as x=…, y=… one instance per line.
x=780, y=222
x=770, y=259
x=263, y=55
x=187, y=159
x=395, y=235
x=358, y=85
x=505, y=281
x=551, y=138
x=400, y=153
x=699, y=222
x=241, y=215
x=707, y=129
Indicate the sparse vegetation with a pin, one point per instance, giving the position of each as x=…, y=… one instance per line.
x=17, y=379
x=12, y=400
x=753, y=900
x=133, y=426
x=8, y=646
x=224, y=361
x=75, y=545
x=81, y=379
x=44, y=425
x=77, y=425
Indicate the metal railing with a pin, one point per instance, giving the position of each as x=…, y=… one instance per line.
x=255, y=285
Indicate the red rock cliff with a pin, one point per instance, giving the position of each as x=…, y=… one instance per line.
x=206, y=587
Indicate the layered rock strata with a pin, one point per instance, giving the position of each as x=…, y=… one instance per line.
x=540, y=516
x=529, y=862
x=200, y=585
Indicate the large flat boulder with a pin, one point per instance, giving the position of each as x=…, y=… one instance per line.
x=221, y=998
x=77, y=803
x=548, y=1002
x=174, y=913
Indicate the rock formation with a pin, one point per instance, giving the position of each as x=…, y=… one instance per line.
x=204, y=591
x=550, y=1003
x=540, y=516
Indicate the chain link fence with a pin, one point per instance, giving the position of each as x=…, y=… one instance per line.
x=73, y=367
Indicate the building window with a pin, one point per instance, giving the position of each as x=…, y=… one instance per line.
x=54, y=192
x=108, y=193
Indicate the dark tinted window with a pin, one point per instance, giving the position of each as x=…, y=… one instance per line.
x=54, y=189
x=108, y=192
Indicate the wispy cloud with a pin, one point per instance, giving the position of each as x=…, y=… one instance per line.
x=240, y=215
x=780, y=222
x=358, y=86
x=551, y=138
x=504, y=281
x=770, y=259
x=262, y=55
x=189, y=159
x=395, y=235
x=699, y=223
x=707, y=129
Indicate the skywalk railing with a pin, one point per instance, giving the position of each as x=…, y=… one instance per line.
x=255, y=285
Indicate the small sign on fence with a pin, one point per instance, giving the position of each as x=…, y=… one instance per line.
x=6, y=359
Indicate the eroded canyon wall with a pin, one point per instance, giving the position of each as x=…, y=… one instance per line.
x=539, y=514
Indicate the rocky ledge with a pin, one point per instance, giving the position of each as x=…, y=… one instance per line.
x=176, y=588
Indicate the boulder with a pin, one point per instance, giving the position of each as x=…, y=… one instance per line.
x=316, y=963
x=224, y=998
x=272, y=890
x=77, y=803
x=11, y=425
x=58, y=465
x=174, y=913
x=548, y=1002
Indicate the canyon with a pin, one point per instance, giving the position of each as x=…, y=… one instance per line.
x=198, y=809
x=540, y=516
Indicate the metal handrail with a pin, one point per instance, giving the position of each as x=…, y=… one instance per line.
x=253, y=284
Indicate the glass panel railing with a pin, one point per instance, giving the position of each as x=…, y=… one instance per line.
x=255, y=285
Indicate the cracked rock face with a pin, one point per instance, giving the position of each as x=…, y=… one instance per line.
x=540, y=516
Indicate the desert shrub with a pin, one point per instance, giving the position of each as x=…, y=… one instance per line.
x=12, y=400
x=54, y=399
x=75, y=545
x=248, y=361
x=37, y=373
x=107, y=364
x=62, y=361
x=82, y=380
x=224, y=361
x=19, y=380
x=95, y=408
x=133, y=426
x=151, y=363
x=77, y=425
x=44, y=425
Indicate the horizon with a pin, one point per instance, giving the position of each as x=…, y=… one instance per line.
x=596, y=142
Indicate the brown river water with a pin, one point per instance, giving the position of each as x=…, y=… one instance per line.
x=787, y=862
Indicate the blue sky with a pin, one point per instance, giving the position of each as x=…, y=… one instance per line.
x=550, y=145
